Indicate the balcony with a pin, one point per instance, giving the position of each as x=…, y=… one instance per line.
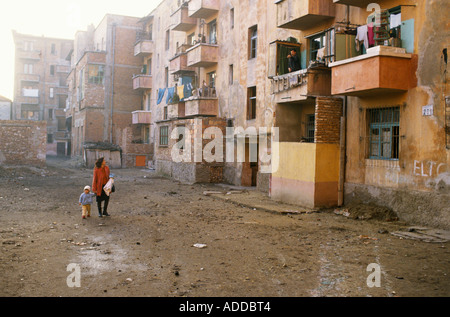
x=142, y=82
x=181, y=20
x=203, y=9
x=29, y=78
x=178, y=63
x=64, y=69
x=143, y=47
x=201, y=106
x=355, y=3
x=383, y=69
x=34, y=55
x=305, y=14
x=141, y=117
x=202, y=55
x=176, y=110
x=28, y=100
x=298, y=86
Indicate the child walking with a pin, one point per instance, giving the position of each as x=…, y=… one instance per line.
x=86, y=202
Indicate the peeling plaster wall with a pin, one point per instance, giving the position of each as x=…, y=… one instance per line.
x=417, y=186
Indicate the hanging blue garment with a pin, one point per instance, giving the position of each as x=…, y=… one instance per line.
x=161, y=92
x=170, y=93
x=187, y=82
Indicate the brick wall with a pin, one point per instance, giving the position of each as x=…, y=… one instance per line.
x=328, y=116
x=23, y=142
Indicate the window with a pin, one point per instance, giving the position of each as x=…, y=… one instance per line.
x=53, y=49
x=315, y=44
x=166, y=76
x=81, y=85
x=212, y=79
x=165, y=114
x=49, y=138
x=52, y=70
x=51, y=94
x=384, y=133
x=251, y=103
x=191, y=39
x=164, y=135
x=253, y=35
x=147, y=135
x=96, y=74
x=232, y=18
x=50, y=114
x=150, y=32
x=231, y=74
x=310, y=126
x=167, y=39
x=212, y=27
x=149, y=66
x=28, y=68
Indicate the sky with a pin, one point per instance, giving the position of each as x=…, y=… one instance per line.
x=54, y=18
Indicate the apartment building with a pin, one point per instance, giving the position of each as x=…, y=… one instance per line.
x=102, y=97
x=40, y=87
x=364, y=116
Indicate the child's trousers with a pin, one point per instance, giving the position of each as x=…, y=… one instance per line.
x=86, y=210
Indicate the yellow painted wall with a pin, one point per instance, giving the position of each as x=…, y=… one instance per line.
x=297, y=161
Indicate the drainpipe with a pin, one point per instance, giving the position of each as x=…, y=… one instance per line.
x=112, y=80
x=342, y=156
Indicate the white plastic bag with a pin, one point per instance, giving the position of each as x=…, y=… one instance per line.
x=108, y=187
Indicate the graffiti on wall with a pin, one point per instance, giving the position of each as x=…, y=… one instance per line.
x=429, y=168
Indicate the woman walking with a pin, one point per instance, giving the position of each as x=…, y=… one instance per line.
x=101, y=177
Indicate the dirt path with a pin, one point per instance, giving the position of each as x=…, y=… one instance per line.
x=146, y=247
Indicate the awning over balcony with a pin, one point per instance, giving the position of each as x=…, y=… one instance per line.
x=203, y=9
x=304, y=14
x=181, y=21
x=355, y=3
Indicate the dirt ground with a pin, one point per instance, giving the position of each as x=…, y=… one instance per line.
x=167, y=239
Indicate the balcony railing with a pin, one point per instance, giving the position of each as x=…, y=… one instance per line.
x=29, y=77
x=144, y=44
x=141, y=117
x=65, y=69
x=142, y=81
x=298, y=86
x=29, y=55
x=181, y=21
x=304, y=14
x=201, y=106
x=383, y=69
x=355, y=3
x=203, y=55
x=203, y=9
x=178, y=63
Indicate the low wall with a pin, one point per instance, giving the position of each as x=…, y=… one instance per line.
x=23, y=142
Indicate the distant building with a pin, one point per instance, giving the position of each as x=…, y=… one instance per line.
x=102, y=100
x=5, y=108
x=40, y=88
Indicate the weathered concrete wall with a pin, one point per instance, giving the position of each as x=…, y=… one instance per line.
x=417, y=185
x=23, y=142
